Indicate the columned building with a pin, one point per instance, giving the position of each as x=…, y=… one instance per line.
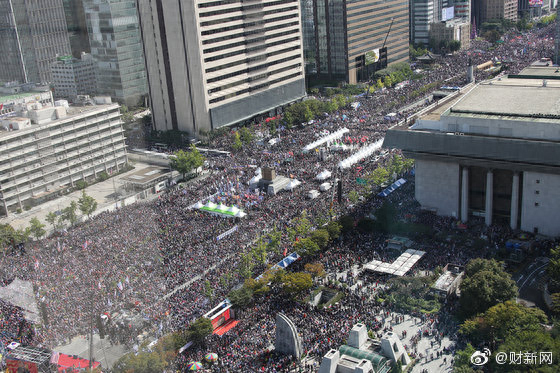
x=216, y=63
x=491, y=152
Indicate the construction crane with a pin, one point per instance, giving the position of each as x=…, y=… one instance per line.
x=383, y=46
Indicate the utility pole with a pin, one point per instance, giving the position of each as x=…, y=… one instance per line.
x=91, y=335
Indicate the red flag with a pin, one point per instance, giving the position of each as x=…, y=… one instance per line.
x=285, y=251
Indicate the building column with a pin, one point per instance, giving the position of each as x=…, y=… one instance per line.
x=514, y=201
x=489, y=197
x=465, y=195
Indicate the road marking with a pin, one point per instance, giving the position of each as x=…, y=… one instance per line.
x=532, y=275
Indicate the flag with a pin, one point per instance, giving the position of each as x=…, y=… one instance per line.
x=58, y=245
x=85, y=245
x=99, y=285
x=36, y=263
x=54, y=357
x=127, y=280
x=120, y=286
x=285, y=251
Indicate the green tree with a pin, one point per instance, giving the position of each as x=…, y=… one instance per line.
x=346, y=223
x=208, y=291
x=316, y=269
x=259, y=251
x=501, y=321
x=127, y=116
x=334, y=228
x=241, y=297
x=69, y=213
x=195, y=158
x=144, y=362
x=296, y=283
x=353, y=196
x=246, y=265
x=274, y=239
x=379, y=84
x=7, y=233
x=51, y=219
x=385, y=216
x=320, y=237
x=259, y=287
x=387, y=82
x=81, y=184
x=463, y=357
x=454, y=45
x=306, y=247
x=87, y=204
x=37, y=228
x=301, y=227
x=484, y=285
x=379, y=176
x=181, y=162
x=199, y=330
x=553, y=269
x=246, y=135
x=237, y=145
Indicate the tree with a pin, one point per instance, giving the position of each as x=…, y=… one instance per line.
x=379, y=176
x=259, y=251
x=492, y=36
x=385, y=216
x=334, y=228
x=346, y=223
x=208, y=291
x=246, y=265
x=181, y=162
x=301, y=227
x=199, y=330
x=296, y=283
x=237, y=145
x=553, y=269
x=306, y=247
x=195, y=158
x=127, y=116
x=354, y=196
x=259, y=287
x=484, y=285
x=463, y=357
x=51, y=219
x=37, y=228
x=87, y=204
x=501, y=321
x=144, y=362
x=454, y=45
x=69, y=213
x=81, y=184
x=320, y=237
x=316, y=269
x=387, y=82
x=274, y=239
x=7, y=234
x=246, y=135
x=240, y=298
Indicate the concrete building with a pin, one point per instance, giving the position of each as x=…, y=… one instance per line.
x=73, y=77
x=491, y=152
x=12, y=95
x=486, y=10
x=32, y=33
x=463, y=9
x=453, y=29
x=77, y=27
x=423, y=14
x=212, y=64
x=45, y=149
x=116, y=46
x=344, y=40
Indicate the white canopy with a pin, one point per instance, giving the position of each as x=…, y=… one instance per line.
x=211, y=205
x=223, y=207
x=361, y=154
x=324, y=175
x=333, y=136
x=198, y=205
x=293, y=184
x=255, y=179
x=240, y=214
x=233, y=209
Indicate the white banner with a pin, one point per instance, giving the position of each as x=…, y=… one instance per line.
x=226, y=233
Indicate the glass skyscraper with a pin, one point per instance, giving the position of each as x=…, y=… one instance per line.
x=32, y=34
x=116, y=45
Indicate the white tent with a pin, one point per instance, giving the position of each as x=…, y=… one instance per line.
x=223, y=207
x=240, y=214
x=233, y=209
x=210, y=205
x=293, y=184
x=361, y=154
x=255, y=179
x=198, y=205
x=324, y=175
x=329, y=138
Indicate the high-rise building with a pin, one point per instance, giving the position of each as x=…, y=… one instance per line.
x=424, y=13
x=77, y=27
x=32, y=34
x=458, y=29
x=116, y=46
x=349, y=39
x=216, y=63
x=73, y=77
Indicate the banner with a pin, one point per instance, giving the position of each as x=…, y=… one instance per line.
x=372, y=56
x=227, y=233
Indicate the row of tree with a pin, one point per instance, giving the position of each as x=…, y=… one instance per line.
x=185, y=162
x=305, y=111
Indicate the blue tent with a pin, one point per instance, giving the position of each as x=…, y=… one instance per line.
x=390, y=189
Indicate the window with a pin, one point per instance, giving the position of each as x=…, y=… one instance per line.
x=537, y=192
x=538, y=181
x=536, y=204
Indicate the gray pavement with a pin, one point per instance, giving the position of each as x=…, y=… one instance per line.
x=103, y=351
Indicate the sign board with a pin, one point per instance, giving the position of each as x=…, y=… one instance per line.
x=448, y=13
x=372, y=56
x=535, y=3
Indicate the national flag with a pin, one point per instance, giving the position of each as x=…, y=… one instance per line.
x=120, y=286
x=285, y=251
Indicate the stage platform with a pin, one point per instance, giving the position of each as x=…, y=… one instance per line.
x=226, y=327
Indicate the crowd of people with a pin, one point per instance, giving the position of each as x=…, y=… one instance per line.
x=162, y=259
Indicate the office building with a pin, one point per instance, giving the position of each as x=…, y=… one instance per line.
x=32, y=34
x=73, y=77
x=491, y=152
x=77, y=27
x=457, y=29
x=423, y=14
x=486, y=10
x=212, y=64
x=116, y=46
x=463, y=9
x=349, y=40
x=45, y=149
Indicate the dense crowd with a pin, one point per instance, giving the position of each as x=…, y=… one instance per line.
x=162, y=259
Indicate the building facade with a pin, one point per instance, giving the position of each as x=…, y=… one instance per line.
x=454, y=29
x=424, y=13
x=77, y=27
x=46, y=149
x=73, y=77
x=492, y=152
x=349, y=39
x=212, y=64
x=499, y=9
x=116, y=46
x=32, y=34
